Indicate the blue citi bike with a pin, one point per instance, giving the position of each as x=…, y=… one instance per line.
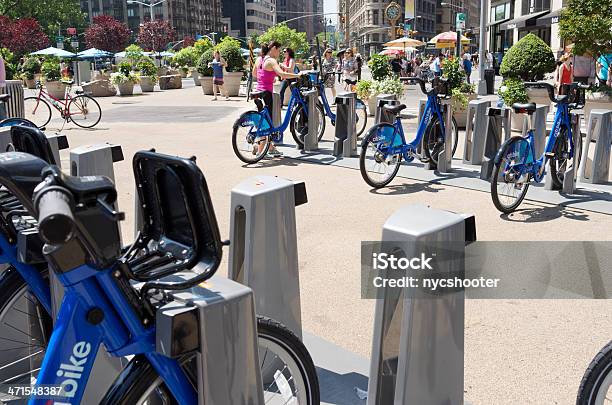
x=384, y=146
x=254, y=131
x=101, y=302
x=516, y=163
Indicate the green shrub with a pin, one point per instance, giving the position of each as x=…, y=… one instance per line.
x=390, y=85
x=529, y=59
x=147, y=68
x=50, y=70
x=186, y=57
x=451, y=70
x=124, y=67
x=230, y=50
x=134, y=54
x=203, y=62
x=513, y=91
x=10, y=63
x=364, y=89
x=202, y=45
x=30, y=67
x=379, y=66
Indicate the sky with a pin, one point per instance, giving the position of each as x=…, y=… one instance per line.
x=331, y=6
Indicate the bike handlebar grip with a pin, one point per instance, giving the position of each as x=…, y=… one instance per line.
x=55, y=219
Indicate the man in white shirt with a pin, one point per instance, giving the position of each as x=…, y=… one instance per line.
x=489, y=60
x=436, y=65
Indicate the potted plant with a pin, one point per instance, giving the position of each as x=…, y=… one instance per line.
x=206, y=72
x=513, y=91
x=124, y=79
x=365, y=92
x=185, y=59
x=230, y=50
x=529, y=60
x=31, y=66
x=379, y=67
x=148, y=74
x=462, y=92
x=200, y=47
x=51, y=75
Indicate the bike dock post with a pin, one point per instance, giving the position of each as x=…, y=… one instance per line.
x=475, y=131
x=220, y=317
x=263, y=250
x=345, y=142
x=276, y=109
x=418, y=341
x=597, y=169
x=571, y=172
x=311, y=139
x=381, y=101
x=14, y=106
x=538, y=121
x=57, y=142
x=498, y=130
x=445, y=157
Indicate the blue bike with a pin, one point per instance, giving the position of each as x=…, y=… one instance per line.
x=516, y=163
x=385, y=144
x=254, y=131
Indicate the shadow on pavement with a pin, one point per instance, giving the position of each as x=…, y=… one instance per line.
x=339, y=389
x=542, y=214
x=400, y=189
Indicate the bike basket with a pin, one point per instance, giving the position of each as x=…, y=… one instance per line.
x=256, y=120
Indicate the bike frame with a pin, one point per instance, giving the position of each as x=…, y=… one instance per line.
x=296, y=98
x=76, y=338
x=46, y=96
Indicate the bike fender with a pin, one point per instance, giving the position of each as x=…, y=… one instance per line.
x=500, y=152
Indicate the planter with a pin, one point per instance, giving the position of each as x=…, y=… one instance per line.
x=460, y=113
x=126, y=89
x=538, y=96
x=231, y=82
x=162, y=71
x=206, y=83
x=372, y=105
x=56, y=89
x=147, y=85
x=30, y=83
x=196, y=79
x=596, y=101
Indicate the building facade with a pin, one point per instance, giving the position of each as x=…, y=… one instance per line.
x=259, y=16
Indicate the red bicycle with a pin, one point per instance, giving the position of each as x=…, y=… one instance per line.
x=81, y=109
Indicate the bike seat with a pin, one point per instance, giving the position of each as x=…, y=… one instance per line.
x=68, y=82
x=4, y=98
x=524, y=108
x=79, y=92
x=394, y=109
x=257, y=94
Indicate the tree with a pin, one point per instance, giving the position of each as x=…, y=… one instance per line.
x=22, y=36
x=287, y=37
x=587, y=24
x=107, y=34
x=155, y=35
x=529, y=59
x=50, y=14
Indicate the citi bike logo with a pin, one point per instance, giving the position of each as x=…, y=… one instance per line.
x=72, y=371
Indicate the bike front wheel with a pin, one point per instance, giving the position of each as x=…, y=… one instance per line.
x=299, y=124
x=37, y=111
x=510, y=179
x=561, y=160
x=596, y=385
x=377, y=166
x=281, y=354
x=84, y=111
x=247, y=147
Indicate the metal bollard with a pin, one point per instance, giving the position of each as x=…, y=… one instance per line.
x=311, y=140
x=57, y=142
x=475, y=131
x=14, y=107
x=276, y=109
x=418, y=343
x=382, y=100
x=498, y=130
x=95, y=160
x=597, y=170
x=263, y=250
x=220, y=315
x=445, y=157
x=570, y=174
x=538, y=120
x=345, y=142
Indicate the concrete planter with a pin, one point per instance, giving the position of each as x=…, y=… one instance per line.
x=231, y=82
x=372, y=105
x=207, y=85
x=30, y=83
x=596, y=101
x=147, y=85
x=126, y=89
x=196, y=79
x=56, y=89
x=460, y=112
x=538, y=96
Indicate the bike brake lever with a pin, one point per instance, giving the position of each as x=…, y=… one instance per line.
x=110, y=211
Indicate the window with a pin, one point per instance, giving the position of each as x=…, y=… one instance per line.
x=250, y=12
x=251, y=25
x=131, y=12
x=533, y=6
x=375, y=17
x=375, y=38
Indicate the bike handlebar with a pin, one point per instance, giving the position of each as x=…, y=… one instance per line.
x=55, y=218
x=551, y=89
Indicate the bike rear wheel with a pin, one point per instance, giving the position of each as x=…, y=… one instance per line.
x=279, y=348
x=361, y=117
x=377, y=167
x=37, y=111
x=596, y=385
x=299, y=124
x=247, y=147
x=561, y=160
x=84, y=111
x=509, y=182
x=433, y=140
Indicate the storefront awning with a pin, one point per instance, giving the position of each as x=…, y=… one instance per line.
x=498, y=22
x=522, y=21
x=550, y=18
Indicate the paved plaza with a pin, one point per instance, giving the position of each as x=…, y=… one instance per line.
x=517, y=351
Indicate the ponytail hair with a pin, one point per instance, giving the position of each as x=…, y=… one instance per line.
x=264, y=50
x=274, y=44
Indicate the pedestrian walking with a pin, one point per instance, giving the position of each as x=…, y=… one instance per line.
x=359, y=65
x=564, y=74
x=217, y=65
x=603, y=69
x=489, y=61
x=288, y=66
x=467, y=66
x=329, y=67
x=436, y=65
x=349, y=70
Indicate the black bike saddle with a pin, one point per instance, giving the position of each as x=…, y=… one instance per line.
x=4, y=98
x=394, y=109
x=524, y=108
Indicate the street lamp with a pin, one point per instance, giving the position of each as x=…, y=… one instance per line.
x=150, y=5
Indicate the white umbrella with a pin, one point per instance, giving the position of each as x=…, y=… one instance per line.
x=120, y=54
x=405, y=41
x=93, y=53
x=51, y=51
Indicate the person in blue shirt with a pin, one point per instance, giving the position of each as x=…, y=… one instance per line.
x=436, y=65
x=217, y=65
x=603, y=69
x=467, y=66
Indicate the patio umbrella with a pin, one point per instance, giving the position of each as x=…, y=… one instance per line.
x=449, y=37
x=390, y=52
x=405, y=42
x=94, y=53
x=51, y=51
x=399, y=48
x=120, y=54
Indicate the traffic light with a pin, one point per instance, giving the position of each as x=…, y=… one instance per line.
x=342, y=19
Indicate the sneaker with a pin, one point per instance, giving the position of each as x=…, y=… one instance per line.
x=214, y=99
x=275, y=153
x=227, y=98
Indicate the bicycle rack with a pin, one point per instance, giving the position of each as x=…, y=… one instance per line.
x=418, y=343
x=217, y=318
x=597, y=170
x=345, y=143
x=445, y=157
x=311, y=140
x=276, y=110
x=381, y=101
x=571, y=172
x=498, y=120
x=422, y=103
x=263, y=249
x=475, y=131
x=538, y=120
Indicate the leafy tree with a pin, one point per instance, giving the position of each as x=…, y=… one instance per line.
x=202, y=45
x=51, y=14
x=134, y=54
x=379, y=66
x=10, y=63
x=186, y=57
x=529, y=59
x=22, y=36
x=155, y=35
x=587, y=24
x=288, y=37
x=229, y=48
x=203, y=62
x=107, y=34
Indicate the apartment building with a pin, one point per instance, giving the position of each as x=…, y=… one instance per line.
x=259, y=15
